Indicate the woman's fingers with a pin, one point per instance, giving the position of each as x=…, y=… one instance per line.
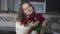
x=34, y=24
x=37, y=22
x=31, y=24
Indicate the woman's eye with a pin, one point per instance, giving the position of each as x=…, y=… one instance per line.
x=24, y=9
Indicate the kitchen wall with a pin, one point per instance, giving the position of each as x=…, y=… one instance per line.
x=0, y=4
x=10, y=4
x=3, y=4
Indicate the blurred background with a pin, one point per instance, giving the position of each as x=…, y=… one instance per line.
x=9, y=10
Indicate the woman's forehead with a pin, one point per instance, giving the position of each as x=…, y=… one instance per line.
x=25, y=5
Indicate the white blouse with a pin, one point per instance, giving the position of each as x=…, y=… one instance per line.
x=20, y=29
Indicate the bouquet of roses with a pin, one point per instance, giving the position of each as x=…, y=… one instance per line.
x=34, y=17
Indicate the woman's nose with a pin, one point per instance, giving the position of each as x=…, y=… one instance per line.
x=29, y=9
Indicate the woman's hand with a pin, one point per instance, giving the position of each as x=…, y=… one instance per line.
x=33, y=24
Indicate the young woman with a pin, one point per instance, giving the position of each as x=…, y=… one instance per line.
x=27, y=12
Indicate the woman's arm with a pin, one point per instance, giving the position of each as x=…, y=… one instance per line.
x=31, y=25
x=27, y=30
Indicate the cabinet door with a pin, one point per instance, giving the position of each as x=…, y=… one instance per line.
x=0, y=4
x=10, y=5
x=39, y=5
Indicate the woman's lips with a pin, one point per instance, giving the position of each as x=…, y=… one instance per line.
x=29, y=10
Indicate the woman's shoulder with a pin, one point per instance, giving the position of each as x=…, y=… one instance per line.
x=19, y=24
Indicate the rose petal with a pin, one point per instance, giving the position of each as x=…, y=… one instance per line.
x=31, y=16
x=25, y=20
x=40, y=17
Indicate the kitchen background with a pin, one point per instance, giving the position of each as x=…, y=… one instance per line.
x=50, y=9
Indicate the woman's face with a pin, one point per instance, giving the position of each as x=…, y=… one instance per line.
x=27, y=9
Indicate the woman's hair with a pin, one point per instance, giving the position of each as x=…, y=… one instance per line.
x=21, y=14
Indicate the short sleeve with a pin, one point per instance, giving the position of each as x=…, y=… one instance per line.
x=20, y=29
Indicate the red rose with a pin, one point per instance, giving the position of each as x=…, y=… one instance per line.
x=25, y=20
x=40, y=17
x=31, y=17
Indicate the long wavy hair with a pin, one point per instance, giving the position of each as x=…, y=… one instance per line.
x=21, y=14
